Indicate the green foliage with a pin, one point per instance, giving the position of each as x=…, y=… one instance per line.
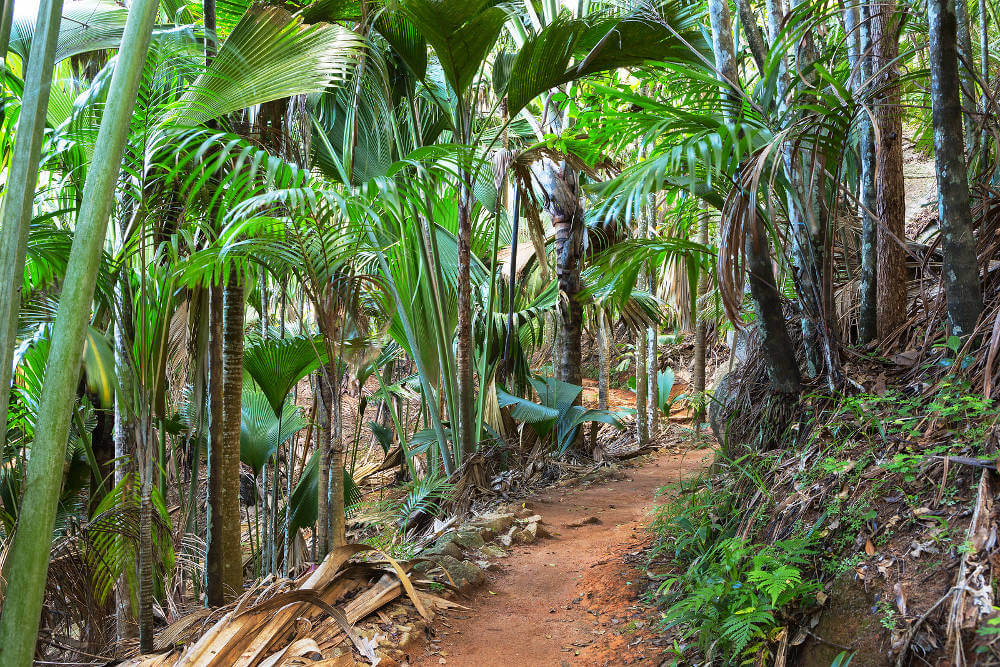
x=423, y=496
x=734, y=593
x=731, y=593
x=555, y=416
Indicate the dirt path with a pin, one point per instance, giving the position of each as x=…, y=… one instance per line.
x=572, y=599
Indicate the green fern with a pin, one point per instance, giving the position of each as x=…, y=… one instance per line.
x=424, y=497
x=743, y=625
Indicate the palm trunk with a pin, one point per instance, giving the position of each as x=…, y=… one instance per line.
x=779, y=355
x=603, y=372
x=965, y=69
x=22, y=176
x=652, y=383
x=604, y=355
x=338, y=514
x=984, y=64
x=890, y=198
x=641, y=388
x=232, y=400
x=868, y=284
x=569, y=250
x=463, y=358
x=324, y=441
x=215, y=546
x=30, y=549
x=754, y=35
x=961, y=270
x=700, y=334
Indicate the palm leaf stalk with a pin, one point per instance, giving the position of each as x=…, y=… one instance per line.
x=22, y=177
x=29, y=552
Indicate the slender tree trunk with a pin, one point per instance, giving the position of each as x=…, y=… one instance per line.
x=604, y=357
x=700, y=332
x=29, y=554
x=754, y=35
x=779, y=355
x=641, y=388
x=232, y=401
x=868, y=284
x=324, y=439
x=966, y=68
x=215, y=557
x=6, y=20
x=890, y=196
x=984, y=73
x=653, y=383
x=463, y=357
x=21, y=178
x=569, y=251
x=961, y=269
x=338, y=513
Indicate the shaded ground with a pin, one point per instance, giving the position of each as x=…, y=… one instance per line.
x=572, y=599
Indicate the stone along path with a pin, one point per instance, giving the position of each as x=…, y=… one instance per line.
x=573, y=598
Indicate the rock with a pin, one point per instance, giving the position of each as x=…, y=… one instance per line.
x=493, y=551
x=445, y=546
x=468, y=539
x=588, y=521
x=493, y=524
x=527, y=535
x=507, y=538
x=465, y=573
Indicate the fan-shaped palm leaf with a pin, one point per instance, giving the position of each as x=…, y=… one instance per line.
x=268, y=56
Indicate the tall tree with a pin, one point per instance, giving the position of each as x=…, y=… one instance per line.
x=890, y=196
x=22, y=176
x=779, y=355
x=29, y=555
x=868, y=283
x=961, y=269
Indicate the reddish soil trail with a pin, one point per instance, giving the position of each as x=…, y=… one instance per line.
x=572, y=599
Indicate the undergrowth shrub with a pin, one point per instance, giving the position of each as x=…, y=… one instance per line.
x=726, y=594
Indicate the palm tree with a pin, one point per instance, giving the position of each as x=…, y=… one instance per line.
x=29, y=554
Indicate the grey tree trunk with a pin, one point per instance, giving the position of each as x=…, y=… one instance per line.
x=641, y=388
x=984, y=73
x=22, y=176
x=700, y=333
x=961, y=268
x=966, y=67
x=754, y=35
x=324, y=441
x=29, y=553
x=652, y=383
x=868, y=284
x=890, y=196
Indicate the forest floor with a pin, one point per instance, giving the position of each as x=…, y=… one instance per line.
x=574, y=598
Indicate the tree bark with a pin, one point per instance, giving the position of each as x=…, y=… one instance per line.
x=868, y=284
x=232, y=402
x=214, y=528
x=29, y=553
x=324, y=440
x=961, y=269
x=890, y=197
x=463, y=357
x=966, y=67
x=700, y=333
x=754, y=35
